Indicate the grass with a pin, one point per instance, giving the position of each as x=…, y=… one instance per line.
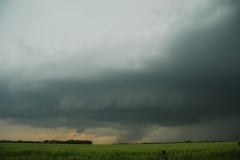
x=177, y=151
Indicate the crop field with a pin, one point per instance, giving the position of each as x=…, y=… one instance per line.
x=175, y=151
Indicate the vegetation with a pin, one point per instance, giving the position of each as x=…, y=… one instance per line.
x=50, y=141
x=175, y=151
x=68, y=142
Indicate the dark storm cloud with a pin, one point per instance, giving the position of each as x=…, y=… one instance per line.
x=198, y=82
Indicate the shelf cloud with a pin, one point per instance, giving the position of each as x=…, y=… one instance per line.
x=135, y=70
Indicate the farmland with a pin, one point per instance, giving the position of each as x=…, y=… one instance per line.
x=176, y=151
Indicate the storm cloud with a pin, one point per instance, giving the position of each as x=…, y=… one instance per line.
x=174, y=71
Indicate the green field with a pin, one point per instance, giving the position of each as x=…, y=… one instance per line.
x=177, y=151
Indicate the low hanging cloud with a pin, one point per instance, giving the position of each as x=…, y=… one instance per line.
x=189, y=81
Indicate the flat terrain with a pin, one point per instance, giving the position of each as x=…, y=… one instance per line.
x=176, y=151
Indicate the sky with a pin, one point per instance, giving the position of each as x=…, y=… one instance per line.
x=124, y=71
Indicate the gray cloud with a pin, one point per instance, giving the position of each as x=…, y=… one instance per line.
x=193, y=80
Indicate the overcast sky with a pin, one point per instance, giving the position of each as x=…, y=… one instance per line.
x=120, y=71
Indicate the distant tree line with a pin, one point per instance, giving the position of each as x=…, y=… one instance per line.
x=50, y=141
x=202, y=141
x=68, y=141
x=19, y=141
